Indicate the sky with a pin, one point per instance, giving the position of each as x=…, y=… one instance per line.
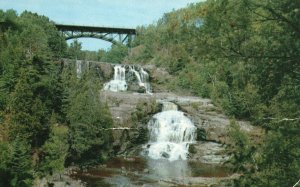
x=110, y=13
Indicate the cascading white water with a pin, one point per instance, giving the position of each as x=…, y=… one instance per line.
x=119, y=82
x=145, y=80
x=170, y=134
x=78, y=68
x=142, y=77
x=169, y=106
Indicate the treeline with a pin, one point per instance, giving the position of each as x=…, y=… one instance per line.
x=49, y=118
x=245, y=55
x=115, y=54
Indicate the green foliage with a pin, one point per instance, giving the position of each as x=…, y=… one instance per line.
x=142, y=114
x=201, y=134
x=74, y=51
x=241, y=147
x=30, y=103
x=88, y=119
x=116, y=54
x=244, y=55
x=34, y=138
x=16, y=165
x=279, y=161
x=40, y=34
x=144, y=110
x=274, y=163
x=55, y=150
x=141, y=137
x=30, y=91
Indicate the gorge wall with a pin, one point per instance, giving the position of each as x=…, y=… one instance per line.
x=134, y=107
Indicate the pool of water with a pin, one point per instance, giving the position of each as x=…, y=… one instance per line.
x=140, y=171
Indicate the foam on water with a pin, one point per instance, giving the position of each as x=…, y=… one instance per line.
x=171, y=132
x=119, y=82
x=142, y=77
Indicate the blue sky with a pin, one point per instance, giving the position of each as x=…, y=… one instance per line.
x=118, y=13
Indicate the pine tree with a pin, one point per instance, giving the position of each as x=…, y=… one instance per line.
x=55, y=150
x=89, y=119
x=16, y=164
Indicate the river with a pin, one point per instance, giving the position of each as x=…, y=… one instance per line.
x=141, y=171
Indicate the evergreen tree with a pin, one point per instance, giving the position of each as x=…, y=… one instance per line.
x=116, y=54
x=89, y=120
x=16, y=164
x=55, y=150
x=244, y=55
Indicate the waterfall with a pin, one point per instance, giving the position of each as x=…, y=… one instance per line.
x=170, y=134
x=142, y=77
x=119, y=82
x=145, y=80
x=169, y=106
x=78, y=68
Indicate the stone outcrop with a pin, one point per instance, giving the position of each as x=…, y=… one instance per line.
x=211, y=123
x=131, y=111
x=207, y=118
x=208, y=152
x=57, y=180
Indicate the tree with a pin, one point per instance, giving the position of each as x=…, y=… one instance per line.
x=74, y=51
x=116, y=54
x=244, y=55
x=30, y=91
x=55, y=150
x=88, y=119
x=16, y=165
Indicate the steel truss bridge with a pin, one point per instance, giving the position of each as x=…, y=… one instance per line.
x=110, y=34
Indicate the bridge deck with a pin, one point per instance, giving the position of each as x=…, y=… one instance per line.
x=95, y=29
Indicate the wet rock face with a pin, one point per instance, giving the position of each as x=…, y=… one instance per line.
x=106, y=71
x=136, y=76
x=130, y=110
x=159, y=77
x=208, y=152
x=212, y=125
x=57, y=180
x=103, y=70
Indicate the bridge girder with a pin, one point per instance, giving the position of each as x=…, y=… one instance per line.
x=110, y=34
x=109, y=37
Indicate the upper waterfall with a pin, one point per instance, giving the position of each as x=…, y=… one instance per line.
x=119, y=82
x=78, y=68
x=170, y=134
x=142, y=77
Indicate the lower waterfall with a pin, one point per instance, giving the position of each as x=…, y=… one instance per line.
x=170, y=134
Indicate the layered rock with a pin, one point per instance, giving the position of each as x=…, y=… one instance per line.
x=212, y=125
